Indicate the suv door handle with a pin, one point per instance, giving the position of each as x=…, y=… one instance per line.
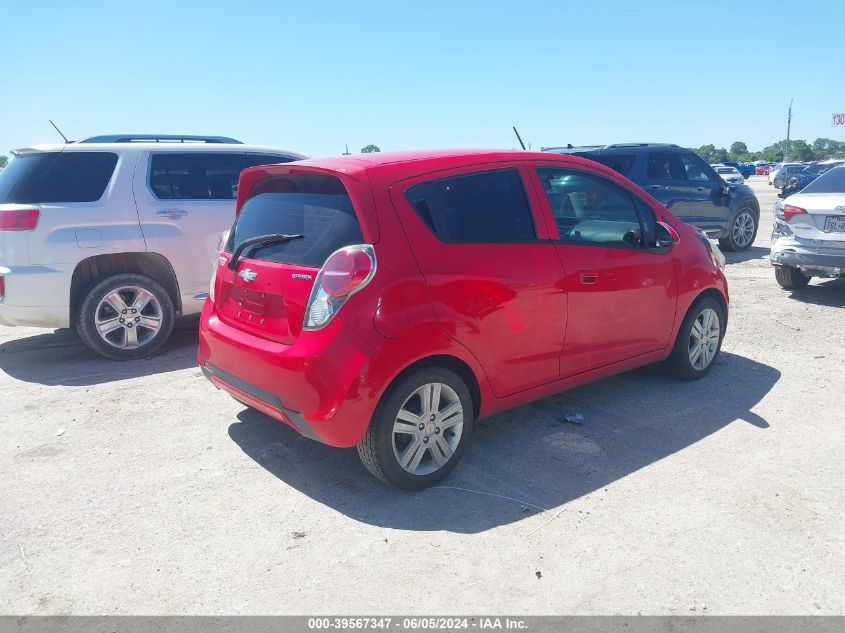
x=655, y=186
x=588, y=277
x=701, y=189
x=172, y=213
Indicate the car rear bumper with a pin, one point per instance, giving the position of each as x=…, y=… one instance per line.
x=815, y=260
x=319, y=385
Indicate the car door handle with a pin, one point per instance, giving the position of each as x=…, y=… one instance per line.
x=588, y=277
x=701, y=189
x=655, y=186
x=172, y=213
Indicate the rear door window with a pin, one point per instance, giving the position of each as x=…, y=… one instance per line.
x=316, y=206
x=620, y=163
x=195, y=176
x=479, y=208
x=665, y=166
x=251, y=160
x=48, y=177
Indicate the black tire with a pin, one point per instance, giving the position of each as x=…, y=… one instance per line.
x=376, y=449
x=729, y=242
x=147, y=340
x=790, y=278
x=679, y=362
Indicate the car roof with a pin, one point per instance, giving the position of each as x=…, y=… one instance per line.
x=612, y=148
x=152, y=146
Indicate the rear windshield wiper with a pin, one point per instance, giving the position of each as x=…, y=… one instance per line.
x=260, y=241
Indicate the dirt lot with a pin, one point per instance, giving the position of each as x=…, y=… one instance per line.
x=139, y=488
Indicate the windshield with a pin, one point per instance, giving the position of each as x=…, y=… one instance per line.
x=830, y=182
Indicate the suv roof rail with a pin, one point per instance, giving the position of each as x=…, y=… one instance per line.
x=585, y=148
x=159, y=138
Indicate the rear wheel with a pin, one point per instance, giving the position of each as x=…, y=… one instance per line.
x=126, y=316
x=790, y=278
x=699, y=340
x=742, y=231
x=419, y=430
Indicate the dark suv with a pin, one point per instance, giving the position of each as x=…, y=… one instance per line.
x=684, y=183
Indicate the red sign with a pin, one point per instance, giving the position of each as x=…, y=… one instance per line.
x=839, y=119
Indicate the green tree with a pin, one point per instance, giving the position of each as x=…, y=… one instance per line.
x=800, y=151
x=738, y=148
x=369, y=149
x=4, y=160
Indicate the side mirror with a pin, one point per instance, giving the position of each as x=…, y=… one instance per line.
x=726, y=190
x=666, y=236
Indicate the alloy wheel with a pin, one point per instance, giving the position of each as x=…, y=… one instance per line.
x=428, y=428
x=743, y=229
x=704, y=339
x=128, y=317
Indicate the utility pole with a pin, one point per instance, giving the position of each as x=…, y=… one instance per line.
x=788, y=125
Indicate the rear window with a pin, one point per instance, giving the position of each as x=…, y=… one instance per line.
x=488, y=207
x=832, y=181
x=315, y=205
x=57, y=177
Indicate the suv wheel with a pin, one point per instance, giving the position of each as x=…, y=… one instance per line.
x=126, y=316
x=699, y=340
x=742, y=231
x=790, y=278
x=419, y=430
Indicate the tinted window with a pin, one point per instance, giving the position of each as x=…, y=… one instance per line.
x=665, y=166
x=832, y=181
x=57, y=177
x=251, y=160
x=619, y=163
x=590, y=209
x=184, y=176
x=696, y=169
x=316, y=206
x=488, y=207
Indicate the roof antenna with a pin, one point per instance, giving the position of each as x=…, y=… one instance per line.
x=59, y=131
x=519, y=137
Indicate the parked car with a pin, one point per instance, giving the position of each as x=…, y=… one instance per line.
x=390, y=301
x=729, y=174
x=745, y=169
x=116, y=235
x=797, y=183
x=822, y=167
x=783, y=173
x=808, y=238
x=687, y=185
x=763, y=170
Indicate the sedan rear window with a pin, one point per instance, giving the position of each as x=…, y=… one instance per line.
x=316, y=206
x=832, y=181
x=47, y=177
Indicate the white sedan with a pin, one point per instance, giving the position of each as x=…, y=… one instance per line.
x=808, y=238
x=729, y=174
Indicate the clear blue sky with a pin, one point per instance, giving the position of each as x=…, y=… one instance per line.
x=315, y=75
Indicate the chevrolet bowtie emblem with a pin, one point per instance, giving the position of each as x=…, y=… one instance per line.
x=248, y=275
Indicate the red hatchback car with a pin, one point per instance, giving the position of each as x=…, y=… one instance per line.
x=390, y=301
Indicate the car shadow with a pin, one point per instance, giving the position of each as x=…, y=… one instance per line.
x=830, y=293
x=755, y=252
x=529, y=460
x=60, y=358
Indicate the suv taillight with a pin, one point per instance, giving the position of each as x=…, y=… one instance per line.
x=19, y=219
x=345, y=272
x=790, y=211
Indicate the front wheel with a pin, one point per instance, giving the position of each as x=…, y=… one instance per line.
x=126, y=316
x=790, y=278
x=741, y=232
x=419, y=430
x=699, y=340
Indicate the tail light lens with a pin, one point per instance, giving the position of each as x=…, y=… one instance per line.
x=2, y=288
x=19, y=219
x=790, y=211
x=345, y=272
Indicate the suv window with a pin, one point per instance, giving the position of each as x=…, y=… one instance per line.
x=316, y=206
x=696, y=169
x=620, y=163
x=590, y=209
x=195, y=176
x=57, y=177
x=487, y=207
x=665, y=166
x=251, y=160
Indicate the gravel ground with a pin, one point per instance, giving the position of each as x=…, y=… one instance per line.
x=138, y=488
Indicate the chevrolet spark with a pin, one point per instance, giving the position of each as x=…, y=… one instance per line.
x=391, y=301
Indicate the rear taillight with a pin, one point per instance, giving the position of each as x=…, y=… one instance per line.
x=2, y=288
x=19, y=219
x=790, y=211
x=345, y=272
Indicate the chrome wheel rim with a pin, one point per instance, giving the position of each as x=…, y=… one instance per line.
x=128, y=317
x=743, y=229
x=428, y=429
x=704, y=339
